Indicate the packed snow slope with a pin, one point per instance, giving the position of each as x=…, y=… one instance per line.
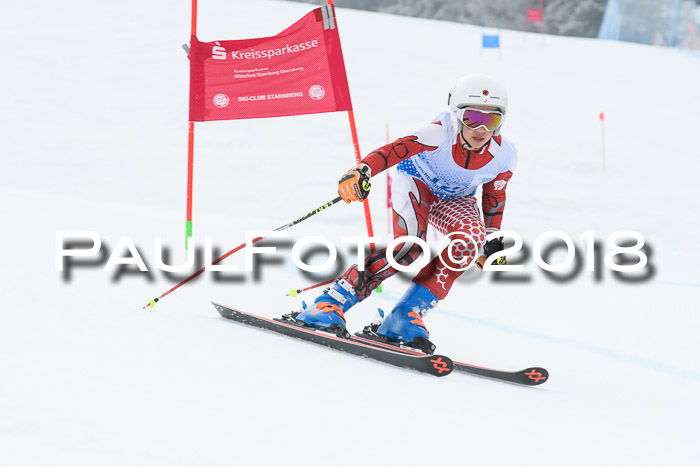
x=94, y=134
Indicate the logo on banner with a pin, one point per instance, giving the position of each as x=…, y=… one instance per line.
x=316, y=92
x=221, y=100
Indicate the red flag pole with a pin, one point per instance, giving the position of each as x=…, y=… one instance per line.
x=190, y=149
x=193, y=28
x=358, y=158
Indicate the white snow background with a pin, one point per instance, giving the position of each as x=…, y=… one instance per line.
x=94, y=135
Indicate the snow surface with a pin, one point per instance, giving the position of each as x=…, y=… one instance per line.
x=94, y=133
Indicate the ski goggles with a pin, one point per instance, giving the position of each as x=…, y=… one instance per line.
x=476, y=118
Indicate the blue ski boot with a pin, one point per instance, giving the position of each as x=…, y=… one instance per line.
x=328, y=310
x=405, y=322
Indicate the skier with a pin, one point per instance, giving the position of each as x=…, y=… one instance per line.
x=440, y=166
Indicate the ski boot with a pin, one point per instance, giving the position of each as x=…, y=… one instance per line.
x=404, y=325
x=328, y=310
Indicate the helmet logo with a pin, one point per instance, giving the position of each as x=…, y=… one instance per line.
x=485, y=92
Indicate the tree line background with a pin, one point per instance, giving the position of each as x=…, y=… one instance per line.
x=579, y=18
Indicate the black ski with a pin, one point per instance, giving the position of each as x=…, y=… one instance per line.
x=437, y=365
x=530, y=376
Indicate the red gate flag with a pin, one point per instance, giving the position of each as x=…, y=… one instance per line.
x=298, y=71
x=534, y=15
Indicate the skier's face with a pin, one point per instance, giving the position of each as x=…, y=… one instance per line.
x=476, y=138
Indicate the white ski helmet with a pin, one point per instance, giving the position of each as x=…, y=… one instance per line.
x=477, y=89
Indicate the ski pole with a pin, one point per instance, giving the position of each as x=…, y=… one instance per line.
x=295, y=292
x=152, y=303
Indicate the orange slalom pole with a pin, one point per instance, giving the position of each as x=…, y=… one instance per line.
x=190, y=175
x=190, y=149
x=358, y=158
x=193, y=28
x=365, y=203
